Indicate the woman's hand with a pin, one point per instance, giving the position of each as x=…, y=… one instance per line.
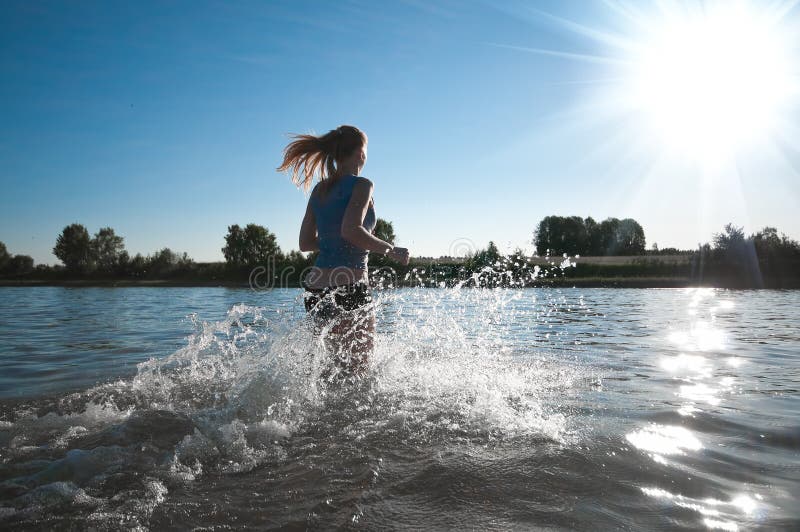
x=399, y=254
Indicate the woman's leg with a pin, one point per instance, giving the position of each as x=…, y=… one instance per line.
x=352, y=339
x=347, y=318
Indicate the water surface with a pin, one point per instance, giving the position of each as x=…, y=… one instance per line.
x=171, y=408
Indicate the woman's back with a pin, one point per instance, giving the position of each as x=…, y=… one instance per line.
x=328, y=203
x=338, y=223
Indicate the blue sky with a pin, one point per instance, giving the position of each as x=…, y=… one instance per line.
x=166, y=121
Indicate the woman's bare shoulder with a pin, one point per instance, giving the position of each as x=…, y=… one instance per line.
x=363, y=182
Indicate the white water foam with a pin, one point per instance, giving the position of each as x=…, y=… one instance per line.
x=237, y=392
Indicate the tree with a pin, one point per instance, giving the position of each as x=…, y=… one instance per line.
x=4, y=257
x=562, y=234
x=137, y=266
x=108, y=249
x=122, y=263
x=568, y=235
x=492, y=254
x=234, y=245
x=166, y=261
x=593, y=244
x=630, y=237
x=549, y=235
x=384, y=230
x=250, y=246
x=74, y=248
x=293, y=264
x=607, y=236
x=484, y=257
x=736, y=256
x=574, y=235
x=768, y=235
x=20, y=265
x=769, y=244
x=731, y=240
x=14, y=265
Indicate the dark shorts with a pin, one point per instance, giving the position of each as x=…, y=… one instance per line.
x=329, y=303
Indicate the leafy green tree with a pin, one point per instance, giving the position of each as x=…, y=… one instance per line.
x=292, y=266
x=122, y=263
x=734, y=255
x=768, y=237
x=561, y=234
x=296, y=258
x=4, y=257
x=16, y=264
x=574, y=235
x=384, y=230
x=20, y=265
x=630, y=237
x=778, y=257
x=607, y=237
x=250, y=246
x=768, y=244
x=166, y=261
x=731, y=240
x=485, y=257
x=137, y=266
x=164, y=257
x=234, y=245
x=545, y=234
x=593, y=244
x=74, y=248
x=108, y=249
x=492, y=254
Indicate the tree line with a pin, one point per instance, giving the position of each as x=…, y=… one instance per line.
x=14, y=264
x=245, y=247
x=574, y=235
x=103, y=255
x=764, y=258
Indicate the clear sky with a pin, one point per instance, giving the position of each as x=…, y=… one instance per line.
x=166, y=121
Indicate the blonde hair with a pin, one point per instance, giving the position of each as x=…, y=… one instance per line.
x=309, y=155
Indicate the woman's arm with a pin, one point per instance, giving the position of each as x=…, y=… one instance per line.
x=309, y=241
x=352, y=229
x=352, y=224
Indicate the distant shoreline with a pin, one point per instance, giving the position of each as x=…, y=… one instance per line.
x=589, y=282
x=668, y=271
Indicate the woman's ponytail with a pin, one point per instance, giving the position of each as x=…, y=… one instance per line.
x=309, y=155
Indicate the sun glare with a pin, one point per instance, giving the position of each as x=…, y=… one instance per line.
x=710, y=81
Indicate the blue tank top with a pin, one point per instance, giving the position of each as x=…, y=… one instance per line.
x=328, y=212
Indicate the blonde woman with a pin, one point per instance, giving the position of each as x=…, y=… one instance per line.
x=338, y=223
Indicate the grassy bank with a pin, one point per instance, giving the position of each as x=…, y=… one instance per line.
x=111, y=283
x=587, y=282
x=623, y=272
x=560, y=282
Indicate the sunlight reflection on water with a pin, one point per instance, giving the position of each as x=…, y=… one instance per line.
x=664, y=440
x=713, y=510
x=700, y=383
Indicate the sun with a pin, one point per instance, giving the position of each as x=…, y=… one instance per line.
x=711, y=80
x=687, y=81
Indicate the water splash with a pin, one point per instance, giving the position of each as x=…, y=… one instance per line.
x=248, y=391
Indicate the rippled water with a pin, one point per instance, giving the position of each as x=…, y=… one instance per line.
x=172, y=408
